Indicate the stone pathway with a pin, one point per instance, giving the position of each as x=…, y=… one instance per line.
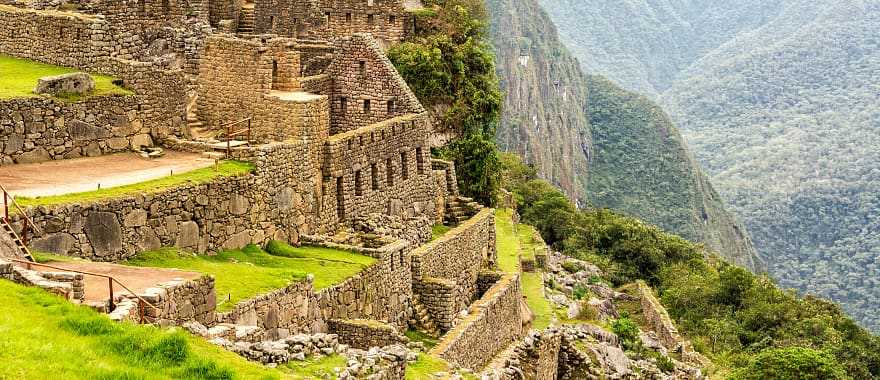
x=136, y=278
x=84, y=174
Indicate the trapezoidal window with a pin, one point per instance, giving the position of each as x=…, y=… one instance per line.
x=389, y=172
x=358, y=183
x=404, y=169
x=348, y=18
x=392, y=20
x=340, y=198
x=366, y=105
x=371, y=19
x=327, y=18
x=420, y=161
x=362, y=68
x=343, y=104
x=374, y=175
x=274, y=74
x=391, y=106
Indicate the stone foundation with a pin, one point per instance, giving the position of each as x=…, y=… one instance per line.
x=365, y=333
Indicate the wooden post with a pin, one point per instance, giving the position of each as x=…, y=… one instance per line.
x=110, y=281
x=6, y=205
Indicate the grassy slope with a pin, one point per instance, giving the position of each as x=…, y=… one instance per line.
x=245, y=273
x=18, y=77
x=510, y=241
x=439, y=230
x=45, y=336
x=204, y=175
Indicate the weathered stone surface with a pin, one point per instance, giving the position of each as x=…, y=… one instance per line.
x=36, y=155
x=72, y=83
x=188, y=235
x=104, y=233
x=136, y=218
x=59, y=243
x=238, y=205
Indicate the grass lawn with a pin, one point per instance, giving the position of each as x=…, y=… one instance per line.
x=45, y=337
x=245, y=273
x=418, y=336
x=425, y=367
x=439, y=230
x=18, y=77
x=510, y=241
x=204, y=175
x=507, y=244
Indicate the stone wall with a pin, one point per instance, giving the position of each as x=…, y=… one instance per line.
x=386, y=20
x=287, y=311
x=181, y=301
x=238, y=77
x=381, y=292
x=365, y=333
x=275, y=202
x=457, y=256
x=493, y=323
x=42, y=129
x=367, y=88
x=660, y=323
x=382, y=168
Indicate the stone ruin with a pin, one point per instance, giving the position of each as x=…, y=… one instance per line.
x=73, y=83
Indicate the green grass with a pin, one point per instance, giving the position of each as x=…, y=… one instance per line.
x=18, y=77
x=315, y=368
x=439, y=230
x=245, y=273
x=510, y=241
x=44, y=337
x=533, y=290
x=425, y=367
x=507, y=244
x=204, y=175
x=418, y=336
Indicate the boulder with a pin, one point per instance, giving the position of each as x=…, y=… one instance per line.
x=189, y=235
x=104, y=233
x=59, y=243
x=72, y=83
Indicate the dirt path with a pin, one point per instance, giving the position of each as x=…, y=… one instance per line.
x=84, y=174
x=136, y=278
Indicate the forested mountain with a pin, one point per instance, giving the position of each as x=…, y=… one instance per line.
x=780, y=101
x=604, y=146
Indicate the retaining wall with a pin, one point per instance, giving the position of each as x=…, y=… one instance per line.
x=455, y=259
x=494, y=322
x=286, y=311
x=365, y=333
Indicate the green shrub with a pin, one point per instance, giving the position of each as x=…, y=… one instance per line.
x=587, y=312
x=791, y=363
x=580, y=292
x=571, y=267
x=628, y=333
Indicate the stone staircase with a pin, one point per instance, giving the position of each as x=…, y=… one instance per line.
x=422, y=318
x=246, y=20
x=460, y=209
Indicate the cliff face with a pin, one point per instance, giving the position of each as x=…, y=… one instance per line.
x=600, y=144
x=543, y=119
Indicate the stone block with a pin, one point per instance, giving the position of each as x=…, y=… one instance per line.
x=72, y=83
x=104, y=233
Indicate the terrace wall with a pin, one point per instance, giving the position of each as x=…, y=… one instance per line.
x=494, y=322
x=290, y=310
x=456, y=258
x=365, y=333
x=381, y=292
x=275, y=202
x=42, y=129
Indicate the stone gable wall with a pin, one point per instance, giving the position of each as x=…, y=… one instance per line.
x=458, y=256
x=273, y=203
x=362, y=73
x=494, y=322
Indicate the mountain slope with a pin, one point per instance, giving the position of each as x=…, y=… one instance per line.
x=609, y=147
x=783, y=113
x=543, y=119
